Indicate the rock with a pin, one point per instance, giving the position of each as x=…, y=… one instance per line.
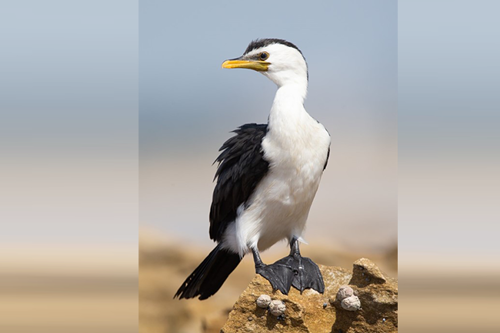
x=312, y=312
x=366, y=272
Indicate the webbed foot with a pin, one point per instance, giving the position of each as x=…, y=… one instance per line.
x=308, y=276
x=293, y=270
x=280, y=276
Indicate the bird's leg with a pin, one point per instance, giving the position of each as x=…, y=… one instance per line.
x=280, y=276
x=306, y=272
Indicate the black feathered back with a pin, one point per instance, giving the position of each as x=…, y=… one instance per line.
x=241, y=167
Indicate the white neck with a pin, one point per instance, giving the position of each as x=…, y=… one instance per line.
x=288, y=105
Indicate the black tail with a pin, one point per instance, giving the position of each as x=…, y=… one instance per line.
x=209, y=276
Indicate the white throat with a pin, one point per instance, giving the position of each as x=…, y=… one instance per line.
x=288, y=106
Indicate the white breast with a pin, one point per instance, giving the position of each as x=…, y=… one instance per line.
x=280, y=204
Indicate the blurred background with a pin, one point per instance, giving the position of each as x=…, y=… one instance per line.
x=189, y=105
x=449, y=184
x=68, y=176
x=69, y=195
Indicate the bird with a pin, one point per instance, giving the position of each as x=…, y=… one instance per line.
x=267, y=178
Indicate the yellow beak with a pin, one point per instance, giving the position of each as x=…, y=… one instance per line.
x=256, y=65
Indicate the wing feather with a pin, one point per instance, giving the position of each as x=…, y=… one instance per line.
x=241, y=168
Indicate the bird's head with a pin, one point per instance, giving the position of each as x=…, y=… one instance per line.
x=279, y=60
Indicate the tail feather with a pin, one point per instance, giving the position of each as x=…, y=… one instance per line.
x=209, y=276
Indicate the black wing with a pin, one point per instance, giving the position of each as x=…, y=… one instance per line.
x=327, y=157
x=241, y=167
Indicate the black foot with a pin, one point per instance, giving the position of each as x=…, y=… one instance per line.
x=309, y=277
x=306, y=273
x=293, y=270
x=280, y=276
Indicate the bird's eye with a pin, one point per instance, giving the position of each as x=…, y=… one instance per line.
x=264, y=56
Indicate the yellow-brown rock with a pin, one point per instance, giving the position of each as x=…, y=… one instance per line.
x=316, y=313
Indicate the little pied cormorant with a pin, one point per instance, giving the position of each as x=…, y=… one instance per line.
x=267, y=178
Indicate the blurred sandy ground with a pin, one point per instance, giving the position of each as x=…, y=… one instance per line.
x=449, y=294
x=68, y=288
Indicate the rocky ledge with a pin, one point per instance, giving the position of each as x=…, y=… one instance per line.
x=314, y=312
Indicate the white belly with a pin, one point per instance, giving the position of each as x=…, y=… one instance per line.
x=279, y=207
